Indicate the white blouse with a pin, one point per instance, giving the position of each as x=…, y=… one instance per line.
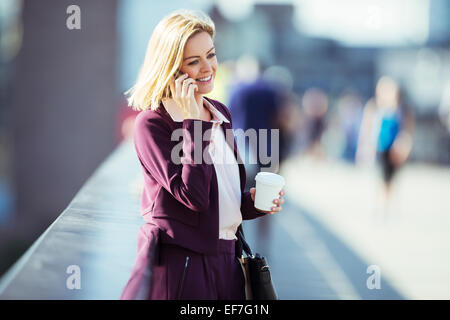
x=228, y=178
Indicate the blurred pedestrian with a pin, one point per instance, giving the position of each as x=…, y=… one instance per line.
x=386, y=132
x=254, y=105
x=444, y=115
x=350, y=110
x=315, y=108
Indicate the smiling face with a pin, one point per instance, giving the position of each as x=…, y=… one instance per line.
x=200, y=62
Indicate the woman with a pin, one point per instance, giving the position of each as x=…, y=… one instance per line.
x=193, y=207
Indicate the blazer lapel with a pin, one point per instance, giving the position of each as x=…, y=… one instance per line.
x=227, y=126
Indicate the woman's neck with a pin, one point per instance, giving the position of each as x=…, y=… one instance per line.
x=205, y=114
x=199, y=100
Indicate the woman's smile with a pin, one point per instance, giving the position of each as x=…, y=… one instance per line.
x=204, y=81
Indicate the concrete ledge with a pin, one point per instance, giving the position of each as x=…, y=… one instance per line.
x=96, y=232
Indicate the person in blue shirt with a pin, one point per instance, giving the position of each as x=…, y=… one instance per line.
x=386, y=131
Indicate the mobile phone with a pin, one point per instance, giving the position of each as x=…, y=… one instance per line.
x=178, y=74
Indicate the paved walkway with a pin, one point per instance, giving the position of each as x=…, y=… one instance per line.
x=332, y=230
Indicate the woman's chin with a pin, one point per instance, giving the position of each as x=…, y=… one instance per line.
x=207, y=90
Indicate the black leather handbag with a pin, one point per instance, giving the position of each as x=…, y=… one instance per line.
x=258, y=282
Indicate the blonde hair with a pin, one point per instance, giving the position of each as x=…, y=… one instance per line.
x=164, y=57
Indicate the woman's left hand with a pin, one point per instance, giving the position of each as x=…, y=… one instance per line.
x=277, y=202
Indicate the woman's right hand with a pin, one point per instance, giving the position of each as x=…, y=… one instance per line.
x=182, y=90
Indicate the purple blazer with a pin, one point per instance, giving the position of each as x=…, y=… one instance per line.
x=182, y=199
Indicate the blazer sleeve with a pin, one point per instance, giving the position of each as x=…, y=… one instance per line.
x=248, y=209
x=189, y=182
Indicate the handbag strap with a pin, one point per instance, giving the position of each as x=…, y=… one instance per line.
x=244, y=245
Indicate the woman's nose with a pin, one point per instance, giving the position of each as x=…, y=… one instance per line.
x=206, y=66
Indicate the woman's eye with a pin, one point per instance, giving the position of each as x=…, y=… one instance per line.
x=211, y=55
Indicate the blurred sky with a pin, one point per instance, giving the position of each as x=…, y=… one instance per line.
x=366, y=22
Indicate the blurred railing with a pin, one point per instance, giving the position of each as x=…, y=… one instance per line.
x=92, y=243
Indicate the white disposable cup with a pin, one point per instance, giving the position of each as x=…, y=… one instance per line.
x=268, y=187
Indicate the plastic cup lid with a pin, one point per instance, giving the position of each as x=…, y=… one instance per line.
x=270, y=178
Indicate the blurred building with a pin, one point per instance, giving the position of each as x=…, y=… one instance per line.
x=439, y=32
x=272, y=36
x=59, y=105
x=419, y=62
